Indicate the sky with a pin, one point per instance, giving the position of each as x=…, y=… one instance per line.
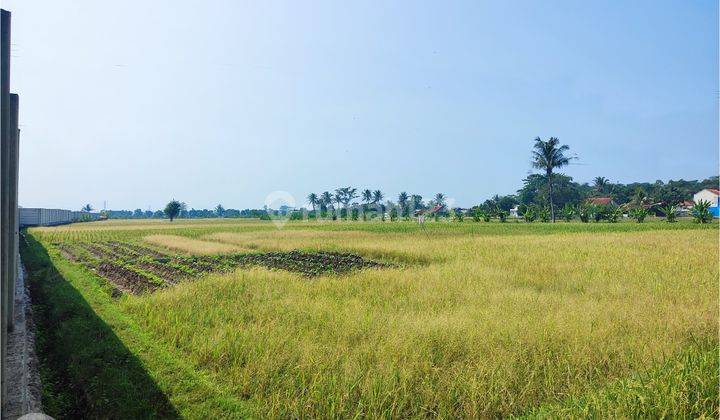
x=133, y=103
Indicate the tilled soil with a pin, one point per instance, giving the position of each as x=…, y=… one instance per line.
x=135, y=269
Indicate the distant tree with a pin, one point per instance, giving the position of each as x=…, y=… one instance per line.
x=138, y=214
x=548, y=156
x=172, y=209
x=366, y=196
x=416, y=202
x=87, y=208
x=600, y=184
x=377, y=196
x=220, y=210
x=327, y=199
x=568, y=212
x=313, y=200
x=403, y=198
x=440, y=199
x=345, y=195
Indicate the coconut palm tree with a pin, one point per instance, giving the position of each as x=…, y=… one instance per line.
x=440, y=199
x=87, y=208
x=403, y=198
x=313, y=200
x=377, y=196
x=548, y=156
x=416, y=201
x=367, y=196
x=327, y=198
x=600, y=183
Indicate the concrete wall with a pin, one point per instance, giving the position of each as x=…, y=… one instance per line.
x=9, y=150
x=52, y=217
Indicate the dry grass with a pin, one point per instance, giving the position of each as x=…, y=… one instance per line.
x=491, y=326
x=191, y=246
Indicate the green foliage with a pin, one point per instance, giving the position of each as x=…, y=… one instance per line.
x=502, y=215
x=613, y=213
x=172, y=209
x=477, y=214
x=701, y=212
x=568, y=212
x=544, y=214
x=670, y=213
x=393, y=214
x=598, y=212
x=584, y=212
x=458, y=215
x=639, y=214
x=530, y=214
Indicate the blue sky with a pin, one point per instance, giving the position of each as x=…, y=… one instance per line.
x=137, y=102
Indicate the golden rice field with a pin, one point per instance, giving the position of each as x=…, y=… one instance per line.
x=459, y=320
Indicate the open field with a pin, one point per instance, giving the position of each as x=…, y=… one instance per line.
x=226, y=318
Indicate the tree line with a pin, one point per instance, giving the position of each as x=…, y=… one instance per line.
x=545, y=196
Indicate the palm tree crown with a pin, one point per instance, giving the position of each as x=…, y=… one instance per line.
x=367, y=196
x=313, y=200
x=377, y=196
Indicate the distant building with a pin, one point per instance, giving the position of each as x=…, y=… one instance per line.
x=514, y=211
x=712, y=196
x=685, y=207
x=601, y=201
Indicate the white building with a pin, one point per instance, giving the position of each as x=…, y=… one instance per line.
x=711, y=195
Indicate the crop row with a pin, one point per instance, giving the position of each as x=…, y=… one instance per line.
x=135, y=269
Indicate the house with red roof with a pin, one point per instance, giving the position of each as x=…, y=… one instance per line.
x=601, y=201
x=711, y=195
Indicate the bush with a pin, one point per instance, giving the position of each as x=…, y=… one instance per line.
x=613, y=214
x=568, y=212
x=701, y=212
x=639, y=214
x=670, y=213
x=502, y=215
x=544, y=214
x=459, y=216
x=530, y=214
x=584, y=211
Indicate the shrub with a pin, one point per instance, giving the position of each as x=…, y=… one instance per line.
x=613, y=214
x=477, y=215
x=486, y=216
x=701, y=212
x=584, y=211
x=639, y=214
x=459, y=216
x=568, y=212
x=544, y=214
x=670, y=213
x=530, y=214
x=502, y=215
